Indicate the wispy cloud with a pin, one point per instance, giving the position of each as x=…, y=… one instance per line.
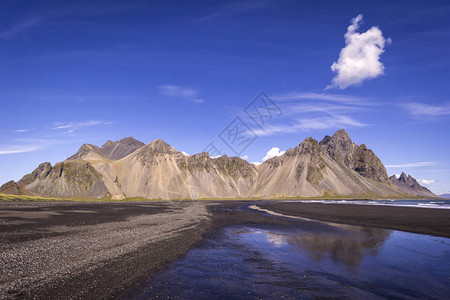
x=435, y=170
x=77, y=125
x=359, y=60
x=20, y=27
x=415, y=164
x=12, y=149
x=306, y=111
x=233, y=9
x=180, y=91
x=176, y=90
x=65, y=16
x=424, y=110
x=331, y=121
x=23, y=145
x=22, y=130
x=321, y=97
x=324, y=108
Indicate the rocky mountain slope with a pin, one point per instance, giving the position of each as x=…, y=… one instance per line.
x=309, y=171
x=128, y=168
x=14, y=188
x=358, y=158
x=409, y=185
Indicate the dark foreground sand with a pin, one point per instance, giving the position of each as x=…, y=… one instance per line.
x=73, y=250
x=53, y=250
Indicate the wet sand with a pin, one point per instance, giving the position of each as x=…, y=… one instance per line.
x=72, y=250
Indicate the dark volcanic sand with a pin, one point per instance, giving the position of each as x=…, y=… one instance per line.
x=73, y=250
x=56, y=250
x=419, y=220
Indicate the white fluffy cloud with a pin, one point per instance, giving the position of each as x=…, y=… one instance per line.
x=359, y=60
x=272, y=153
x=425, y=182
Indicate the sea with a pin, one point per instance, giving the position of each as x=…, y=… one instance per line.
x=444, y=204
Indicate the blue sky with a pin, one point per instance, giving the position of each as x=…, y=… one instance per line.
x=85, y=72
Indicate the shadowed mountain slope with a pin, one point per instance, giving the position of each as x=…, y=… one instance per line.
x=358, y=158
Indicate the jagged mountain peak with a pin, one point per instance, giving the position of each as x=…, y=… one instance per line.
x=131, y=141
x=149, y=152
x=342, y=134
x=84, y=151
x=202, y=155
x=160, y=146
x=403, y=177
x=340, y=139
x=39, y=173
x=121, y=148
x=309, y=145
x=341, y=148
x=410, y=185
x=110, y=150
x=310, y=141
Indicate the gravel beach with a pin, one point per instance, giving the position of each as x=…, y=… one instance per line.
x=72, y=250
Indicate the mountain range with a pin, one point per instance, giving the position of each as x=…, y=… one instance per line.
x=333, y=167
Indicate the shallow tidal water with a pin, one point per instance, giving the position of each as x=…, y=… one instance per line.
x=308, y=260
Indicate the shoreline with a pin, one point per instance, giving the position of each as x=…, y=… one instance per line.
x=10, y=197
x=429, y=221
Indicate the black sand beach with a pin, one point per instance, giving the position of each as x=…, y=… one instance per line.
x=54, y=250
x=72, y=250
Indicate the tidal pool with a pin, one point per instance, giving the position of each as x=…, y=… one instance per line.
x=308, y=260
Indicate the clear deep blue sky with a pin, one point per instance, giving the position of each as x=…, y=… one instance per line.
x=75, y=72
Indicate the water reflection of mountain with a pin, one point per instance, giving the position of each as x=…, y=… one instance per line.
x=347, y=246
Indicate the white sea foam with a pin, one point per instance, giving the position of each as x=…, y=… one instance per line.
x=444, y=204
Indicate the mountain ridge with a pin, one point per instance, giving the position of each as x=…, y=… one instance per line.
x=109, y=150
x=333, y=167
